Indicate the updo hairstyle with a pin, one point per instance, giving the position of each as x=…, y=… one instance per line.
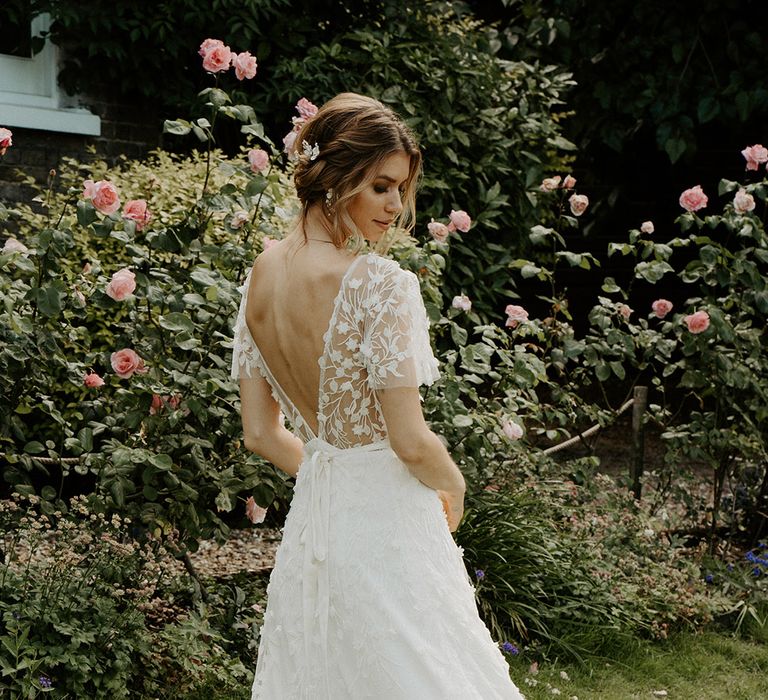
x=354, y=135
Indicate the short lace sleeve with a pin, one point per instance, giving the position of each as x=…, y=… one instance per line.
x=396, y=343
x=245, y=354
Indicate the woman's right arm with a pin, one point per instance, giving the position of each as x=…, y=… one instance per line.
x=263, y=430
x=420, y=449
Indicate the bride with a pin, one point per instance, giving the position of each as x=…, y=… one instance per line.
x=369, y=596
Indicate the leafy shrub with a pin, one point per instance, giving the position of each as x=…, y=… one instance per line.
x=573, y=569
x=72, y=590
x=163, y=446
x=489, y=128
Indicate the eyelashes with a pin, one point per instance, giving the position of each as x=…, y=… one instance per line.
x=382, y=190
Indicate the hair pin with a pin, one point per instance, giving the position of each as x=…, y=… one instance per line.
x=312, y=152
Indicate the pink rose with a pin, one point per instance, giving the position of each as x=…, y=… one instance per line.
x=269, y=242
x=755, y=155
x=661, y=307
x=255, y=513
x=239, y=218
x=289, y=141
x=126, y=362
x=460, y=221
x=136, y=210
x=625, y=311
x=512, y=430
x=103, y=195
x=121, y=285
x=12, y=245
x=258, y=159
x=569, y=183
x=693, y=199
x=550, y=184
x=93, y=380
x=209, y=44
x=697, y=322
x=86, y=269
x=245, y=65
x=462, y=303
x=438, y=231
x=743, y=202
x=306, y=109
x=217, y=58
x=89, y=189
x=515, y=314
x=579, y=203
x=647, y=227
x=6, y=140
x=159, y=402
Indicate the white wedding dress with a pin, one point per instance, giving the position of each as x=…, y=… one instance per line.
x=369, y=596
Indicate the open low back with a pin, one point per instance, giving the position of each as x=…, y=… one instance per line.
x=377, y=337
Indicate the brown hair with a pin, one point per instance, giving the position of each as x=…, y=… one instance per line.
x=353, y=134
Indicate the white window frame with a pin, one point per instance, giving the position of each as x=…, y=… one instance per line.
x=29, y=92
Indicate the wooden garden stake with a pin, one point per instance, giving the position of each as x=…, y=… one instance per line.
x=638, y=438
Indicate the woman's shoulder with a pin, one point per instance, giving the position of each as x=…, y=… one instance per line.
x=380, y=268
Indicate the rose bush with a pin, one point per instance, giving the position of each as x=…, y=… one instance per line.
x=121, y=321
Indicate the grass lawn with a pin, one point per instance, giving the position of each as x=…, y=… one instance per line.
x=706, y=666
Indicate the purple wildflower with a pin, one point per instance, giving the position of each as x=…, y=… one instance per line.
x=709, y=578
x=44, y=681
x=510, y=648
x=480, y=574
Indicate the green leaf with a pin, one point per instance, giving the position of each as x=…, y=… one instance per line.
x=86, y=439
x=34, y=447
x=86, y=214
x=178, y=127
x=118, y=492
x=462, y=421
x=161, y=461
x=458, y=335
x=708, y=109
x=675, y=147
x=223, y=502
x=176, y=321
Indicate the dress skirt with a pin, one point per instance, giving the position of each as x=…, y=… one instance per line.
x=369, y=596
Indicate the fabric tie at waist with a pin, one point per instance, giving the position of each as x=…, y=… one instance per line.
x=315, y=471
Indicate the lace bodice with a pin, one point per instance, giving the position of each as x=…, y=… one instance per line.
x=377, y=338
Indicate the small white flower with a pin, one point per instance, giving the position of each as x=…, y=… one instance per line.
x=564, y=675
x=239, y=218
x=660, y=693
x=512, y=430
x=312, y=152
x=13, y=246
x=462, y=302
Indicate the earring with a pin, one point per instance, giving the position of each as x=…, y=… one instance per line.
x=329, y=200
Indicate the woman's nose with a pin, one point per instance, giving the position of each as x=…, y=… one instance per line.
x=395, y=203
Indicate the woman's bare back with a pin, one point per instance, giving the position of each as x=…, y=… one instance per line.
x=290, y=301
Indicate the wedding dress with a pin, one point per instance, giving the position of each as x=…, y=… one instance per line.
x=369, y=596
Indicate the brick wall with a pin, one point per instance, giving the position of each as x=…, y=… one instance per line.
x=127, y=129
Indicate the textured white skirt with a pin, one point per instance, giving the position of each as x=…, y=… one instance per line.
x=369, y=596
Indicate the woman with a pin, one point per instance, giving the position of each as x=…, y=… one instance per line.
x=369, y=597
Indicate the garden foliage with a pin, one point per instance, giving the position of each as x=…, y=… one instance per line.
x=118, y=295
